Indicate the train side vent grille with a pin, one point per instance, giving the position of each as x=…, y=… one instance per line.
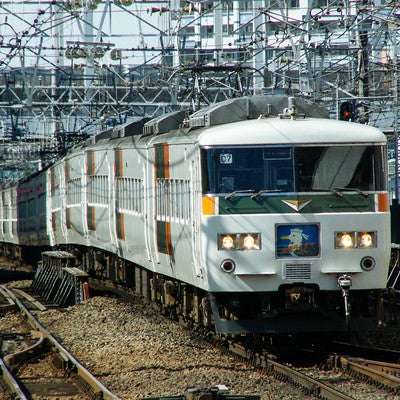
x=297, y=271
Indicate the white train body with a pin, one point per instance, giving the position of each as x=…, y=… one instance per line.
x=263, y=216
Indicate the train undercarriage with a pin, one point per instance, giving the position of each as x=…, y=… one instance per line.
x=293, y=309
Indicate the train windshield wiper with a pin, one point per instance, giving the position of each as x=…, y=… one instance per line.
x=228, y=196
x=338, y=191
x=350, y=189
x=335, y=191
x=265, y=191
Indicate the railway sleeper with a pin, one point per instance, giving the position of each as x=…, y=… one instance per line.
x=88, y=389
x=61, y=362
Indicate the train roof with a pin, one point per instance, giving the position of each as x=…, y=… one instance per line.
x=291, y=131
x=233, y=110
x=256, y=119
x=228, y=111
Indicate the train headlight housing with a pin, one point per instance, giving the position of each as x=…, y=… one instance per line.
x=355, y=240
x=239, y=241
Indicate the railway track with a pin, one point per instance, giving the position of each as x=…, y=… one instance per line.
x=313, y=387
x=378, y=372
x=45, y=368
x=309, y=385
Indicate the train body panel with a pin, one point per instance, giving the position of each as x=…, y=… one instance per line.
x=275, y=267
x=262, y=218
x=32, y=211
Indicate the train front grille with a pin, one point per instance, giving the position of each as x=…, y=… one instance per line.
x=296, y=271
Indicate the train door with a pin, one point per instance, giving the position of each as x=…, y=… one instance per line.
x=162, y=203
x=149, y=208
x=49, y=206
x=109, y=159
x=146, y=209
x=117, y=216
x=63, y=203
x=195, y=216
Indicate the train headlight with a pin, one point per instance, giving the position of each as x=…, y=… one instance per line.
x=355, y=240
x=248, y=242
x=239, y=241
x=227, y=242
x=366, y=240
x=345, y=240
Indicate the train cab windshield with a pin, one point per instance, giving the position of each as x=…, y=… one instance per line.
x=293, y=168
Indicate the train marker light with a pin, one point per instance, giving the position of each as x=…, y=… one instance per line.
x=228, y=266
x=368, y=263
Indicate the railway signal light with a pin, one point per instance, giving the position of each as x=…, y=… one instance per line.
x=346, y=111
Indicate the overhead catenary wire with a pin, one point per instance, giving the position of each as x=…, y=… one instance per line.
x=294, y=45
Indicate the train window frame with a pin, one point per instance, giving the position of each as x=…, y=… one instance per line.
x=129, y=195
x=74, y=191
x=98, y=192
x=172, y=200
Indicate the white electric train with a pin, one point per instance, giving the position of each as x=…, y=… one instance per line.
x=253, y=215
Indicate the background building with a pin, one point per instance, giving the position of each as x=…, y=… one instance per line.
x=69, y=69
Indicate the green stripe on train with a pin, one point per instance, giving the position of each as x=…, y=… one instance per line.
x=296, y=204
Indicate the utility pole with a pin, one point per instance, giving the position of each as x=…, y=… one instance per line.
x=363, y=63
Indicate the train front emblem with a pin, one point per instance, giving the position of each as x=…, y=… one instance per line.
x=295, y=240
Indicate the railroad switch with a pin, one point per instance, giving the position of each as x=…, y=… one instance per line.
x=219, y=392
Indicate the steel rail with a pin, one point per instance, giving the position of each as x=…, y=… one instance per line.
x=31, y=299
x=12, y=384
x=380, y=372
x=284, y=372
x=9, y=301
x=97, y=387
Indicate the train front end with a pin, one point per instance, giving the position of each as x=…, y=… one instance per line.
x=295, y=225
